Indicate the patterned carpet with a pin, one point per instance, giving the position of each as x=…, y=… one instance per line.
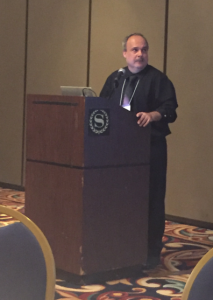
x=184, y=245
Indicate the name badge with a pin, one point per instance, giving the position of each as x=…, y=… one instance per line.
x=127, y=107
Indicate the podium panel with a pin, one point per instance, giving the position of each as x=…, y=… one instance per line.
x=114, y=218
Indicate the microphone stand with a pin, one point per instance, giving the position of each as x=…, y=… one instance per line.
x=116, y=81
x=116, y=84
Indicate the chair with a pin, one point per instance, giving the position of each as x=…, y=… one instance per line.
x=200, y=284
x=27, y=268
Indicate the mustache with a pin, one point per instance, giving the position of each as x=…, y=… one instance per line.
x=139, y=59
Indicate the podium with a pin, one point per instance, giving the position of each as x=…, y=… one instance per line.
x=87, y=182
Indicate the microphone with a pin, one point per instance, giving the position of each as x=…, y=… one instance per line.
x=120, y=73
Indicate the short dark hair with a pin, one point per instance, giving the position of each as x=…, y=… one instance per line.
x=132, y=34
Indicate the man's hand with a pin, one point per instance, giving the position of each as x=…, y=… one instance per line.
x=146, y=118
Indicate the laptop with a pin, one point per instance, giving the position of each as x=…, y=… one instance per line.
x=77, y=91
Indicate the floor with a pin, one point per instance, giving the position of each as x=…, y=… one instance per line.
x=184, y=246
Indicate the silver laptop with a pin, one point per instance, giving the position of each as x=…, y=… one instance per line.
x=77, y=91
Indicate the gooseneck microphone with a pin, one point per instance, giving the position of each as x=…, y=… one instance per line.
x=120, y=73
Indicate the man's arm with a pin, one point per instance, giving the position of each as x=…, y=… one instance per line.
x=164, y=104
x=165, y=99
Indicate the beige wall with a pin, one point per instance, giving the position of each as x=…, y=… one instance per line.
x=112, y=20
x=12, y=57
x=190, y=66
x=57, y=49
x=57, y=45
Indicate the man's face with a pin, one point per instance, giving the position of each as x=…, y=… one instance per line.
x=136, y=53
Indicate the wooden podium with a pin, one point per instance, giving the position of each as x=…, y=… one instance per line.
x=87, y=179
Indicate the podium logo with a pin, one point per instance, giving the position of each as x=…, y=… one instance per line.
x=99, y=122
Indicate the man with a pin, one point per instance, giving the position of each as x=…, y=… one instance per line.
x=151, y=95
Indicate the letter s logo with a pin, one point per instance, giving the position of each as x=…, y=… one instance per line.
x=99, y=120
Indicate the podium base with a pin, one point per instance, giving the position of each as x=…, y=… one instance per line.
x=101, y=277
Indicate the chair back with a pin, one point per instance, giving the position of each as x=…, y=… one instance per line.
x=27, y=268
x=200, y=284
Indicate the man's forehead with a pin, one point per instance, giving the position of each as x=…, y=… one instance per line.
x=136, y=41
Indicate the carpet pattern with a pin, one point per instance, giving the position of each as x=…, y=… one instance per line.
x=184, y=246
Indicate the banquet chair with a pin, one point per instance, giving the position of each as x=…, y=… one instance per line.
x=200, y=284
x=27, y=268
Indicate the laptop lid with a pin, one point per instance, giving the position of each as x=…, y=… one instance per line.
x=77, y=91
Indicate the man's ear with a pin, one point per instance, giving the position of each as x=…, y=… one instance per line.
x=124, y=54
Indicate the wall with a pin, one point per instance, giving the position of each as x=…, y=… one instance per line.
x=190, y=66
x=57, y=45
x=12, y=76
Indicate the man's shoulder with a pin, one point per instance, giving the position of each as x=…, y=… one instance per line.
x=155, y=71
x=113, y=74
x=156, y=75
